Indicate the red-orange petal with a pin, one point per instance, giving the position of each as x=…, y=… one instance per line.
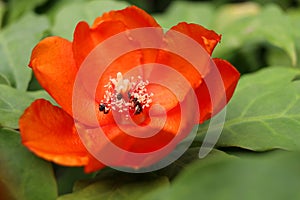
x=132, y=17
x=49, y=132
x=86, y=38
x=187, y=50
x=229, y=74
x=183, y=68
x=176, y=127
x=163, y=96
x=83, y=43
x=178, y=123
x=54, y=67
x=208, y=39
x=178, y=75
x=230, y=77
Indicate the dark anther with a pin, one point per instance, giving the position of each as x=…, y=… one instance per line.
x=137, y=108
x=102, y=108
x=135, y=100
x=119, y=96
x=129, y=95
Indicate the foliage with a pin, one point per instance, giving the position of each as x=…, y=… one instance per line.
x=261, y=39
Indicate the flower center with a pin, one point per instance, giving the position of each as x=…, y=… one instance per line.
x=125, y=95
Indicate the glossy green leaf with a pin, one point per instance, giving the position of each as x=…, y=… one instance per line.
x=271, y=176
x=16, y=43
x=264, y=112
x=23, y=175
x=115, y=186
x=13, y=102
x=191, y=12
x=17, y=8
x=66, y=20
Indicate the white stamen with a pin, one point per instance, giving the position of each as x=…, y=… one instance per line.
x=126, y=95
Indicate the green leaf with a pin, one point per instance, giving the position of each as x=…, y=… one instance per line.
x=240, y=24
x=2, y=11
x=269, y=176
x=275, y=26
x=13, y=102
x=66, y=20
x=231, y=13
x=23, y=175
x=113, y=184
x=191, y=12
x=294, y=15
x=163, y=193
x=117, y=185
x=17, y=8
x=264, y=112
x=145, y=5
x=188, y=157
x=41, y=94
x=178, y=165
x=67, y=176
x=3, y=80
x=16, y=43
x=271, y=24
x=276, y=56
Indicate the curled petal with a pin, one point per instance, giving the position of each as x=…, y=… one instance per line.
x=131, y=17
x=83, y=43
x=230, y=77
x=49, y=132
x=54, y=67
x=208, y=39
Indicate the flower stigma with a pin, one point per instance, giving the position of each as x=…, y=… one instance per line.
x=128, y=96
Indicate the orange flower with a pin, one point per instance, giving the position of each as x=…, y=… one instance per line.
x=50, y=131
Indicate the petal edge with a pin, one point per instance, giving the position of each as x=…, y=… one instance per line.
x=208, y=39
x=49, y=132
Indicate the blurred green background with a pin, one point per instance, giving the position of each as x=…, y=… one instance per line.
x=257, y=155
